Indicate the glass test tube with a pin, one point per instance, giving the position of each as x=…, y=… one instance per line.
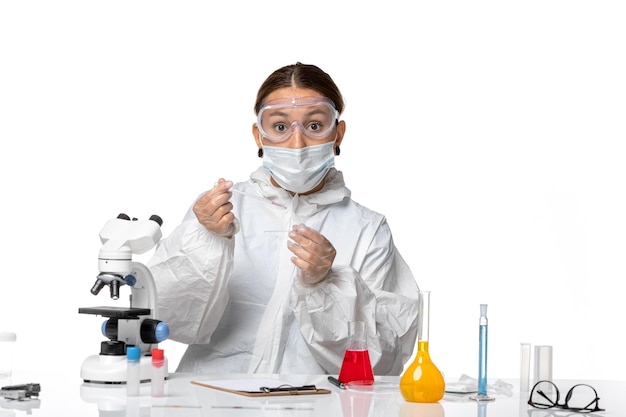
x=524, y=375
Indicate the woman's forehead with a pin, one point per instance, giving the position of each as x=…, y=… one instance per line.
x=292, y=92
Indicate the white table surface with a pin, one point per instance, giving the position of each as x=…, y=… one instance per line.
x=67, y=395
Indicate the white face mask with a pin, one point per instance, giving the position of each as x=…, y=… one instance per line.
x=299, y=170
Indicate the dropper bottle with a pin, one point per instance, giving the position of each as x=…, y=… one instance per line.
x=133, y=356
x=157, y=388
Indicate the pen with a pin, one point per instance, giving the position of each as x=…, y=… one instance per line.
x=288, y=388
x=336, y=382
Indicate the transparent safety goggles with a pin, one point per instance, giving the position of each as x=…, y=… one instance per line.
x=316, y=117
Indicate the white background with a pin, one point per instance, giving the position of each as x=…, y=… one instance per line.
x=490, y=133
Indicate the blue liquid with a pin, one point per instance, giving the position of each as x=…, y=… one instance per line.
x=482, y=360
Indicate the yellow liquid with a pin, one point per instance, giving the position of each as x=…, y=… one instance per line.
x=422, y=382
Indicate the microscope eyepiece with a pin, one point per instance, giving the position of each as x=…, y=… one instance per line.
x=157, y=219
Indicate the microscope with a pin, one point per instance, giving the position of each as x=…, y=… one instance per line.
x=136, y=325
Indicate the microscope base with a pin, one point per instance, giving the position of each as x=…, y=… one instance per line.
x=111, y=369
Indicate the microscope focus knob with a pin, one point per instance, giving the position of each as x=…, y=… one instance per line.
x=113, y=348
x=154, y=331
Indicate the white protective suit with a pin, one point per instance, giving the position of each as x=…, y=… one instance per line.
x=240, y=306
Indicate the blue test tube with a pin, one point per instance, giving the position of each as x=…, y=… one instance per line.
x=482, y=351
x=482, y=357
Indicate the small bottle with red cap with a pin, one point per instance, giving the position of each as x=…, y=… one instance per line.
x=158, y=373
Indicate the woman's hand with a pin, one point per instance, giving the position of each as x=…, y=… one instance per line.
x=314, y=254
x=214, y=209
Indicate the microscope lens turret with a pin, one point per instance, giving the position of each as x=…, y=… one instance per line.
x=112, y=280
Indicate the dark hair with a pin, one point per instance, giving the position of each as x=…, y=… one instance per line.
x=302, y=76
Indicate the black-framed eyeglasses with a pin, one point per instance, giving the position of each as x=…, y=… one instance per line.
x=581, y=398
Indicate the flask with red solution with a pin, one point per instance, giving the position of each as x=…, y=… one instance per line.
x=356, y=367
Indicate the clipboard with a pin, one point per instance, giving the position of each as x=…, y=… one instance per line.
x=260, y=387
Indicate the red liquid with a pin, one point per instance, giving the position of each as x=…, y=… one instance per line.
x=356, y=366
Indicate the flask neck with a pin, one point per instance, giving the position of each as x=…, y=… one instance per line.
x=422, y=346
x=423, y=316
x=357, y=339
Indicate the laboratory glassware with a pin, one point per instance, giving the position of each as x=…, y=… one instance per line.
x=543, y=363
x=7, y=342
x=524, y=375
x=482, y=357
x=356, y=367
x=422, y=382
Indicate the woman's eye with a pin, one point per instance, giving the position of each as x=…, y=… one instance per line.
x=315, y=126
x=280, y=127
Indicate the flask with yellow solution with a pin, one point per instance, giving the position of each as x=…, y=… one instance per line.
x=422, y=382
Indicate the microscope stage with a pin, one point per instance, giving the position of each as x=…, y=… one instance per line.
x=116, y=312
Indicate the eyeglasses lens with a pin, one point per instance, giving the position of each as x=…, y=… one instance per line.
x=581, y=397
x=544, y=395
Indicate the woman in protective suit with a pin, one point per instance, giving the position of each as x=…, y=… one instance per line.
x=263, y=276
